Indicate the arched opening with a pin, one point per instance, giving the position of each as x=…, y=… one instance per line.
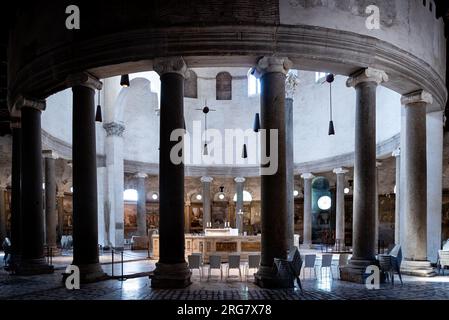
x=224, y=86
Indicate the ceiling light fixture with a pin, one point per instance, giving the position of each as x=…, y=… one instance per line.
x=256, y=126
x=98, y=116
x=329, y=79
x=124, y=81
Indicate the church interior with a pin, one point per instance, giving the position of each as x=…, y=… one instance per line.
x=245, y=150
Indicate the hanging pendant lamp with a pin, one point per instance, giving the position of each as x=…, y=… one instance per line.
x=329, y=79
x=256, y=126
x=124, y=81
x=244, y=152
x=98, y=116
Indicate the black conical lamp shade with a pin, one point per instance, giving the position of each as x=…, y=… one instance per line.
x=331, y=128
x=205, y=151
x=124, y=81
x=98, y=116
x=244, y=152
x=256, y=123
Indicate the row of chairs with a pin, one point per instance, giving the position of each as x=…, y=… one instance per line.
x=215, y=262
x=326, y=264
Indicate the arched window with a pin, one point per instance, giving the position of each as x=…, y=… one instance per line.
x=191, y=86
x=253, y=85
x=224, y=86
x=246, y=197
x=130, y=195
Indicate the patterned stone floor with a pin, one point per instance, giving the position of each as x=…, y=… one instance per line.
x=50, y=287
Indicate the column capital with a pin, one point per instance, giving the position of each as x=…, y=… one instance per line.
x=239, y=180
x=141, y=175
x=206, y=179
x=340, y=170
x=49, y=154
x=420, y=96
x=171, y=65
x=367, y=75
x=114, y=129
x=396, y=152
x=84, y=79
x=307, y=175
x=271, y=64
x=23, y=102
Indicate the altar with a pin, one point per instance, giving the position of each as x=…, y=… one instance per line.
x=221, y=242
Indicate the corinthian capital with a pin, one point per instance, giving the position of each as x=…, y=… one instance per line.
x=367, y=75
x=420, y=96
x=114, y=129
x=171, y=65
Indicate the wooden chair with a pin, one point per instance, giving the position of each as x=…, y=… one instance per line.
x=290, y=268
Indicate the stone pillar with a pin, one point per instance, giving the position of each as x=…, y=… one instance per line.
x=377, y=222
x=239, y=186
x=290, y=168
x=141, y=205
x=340, y=206
x=415, y=194
x=275, y=240
x=50, y=201
x=60, y=208
x=434, y=183
x=307, y=220
x=3, y=233
x=84, y=155
x=187, y=217
x=207, y=218
x=115, y=182
x=171, y=270
x=365, y=83
x=397, y=217
x=16, y=203
x=33, y=255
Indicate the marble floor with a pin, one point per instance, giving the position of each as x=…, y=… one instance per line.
x=138, y=286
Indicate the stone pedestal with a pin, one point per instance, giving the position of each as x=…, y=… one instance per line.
x=84, y=155
x=415, y=189
x=364, y=213
x=276, y=235
x=307, y=220
x=171, y=270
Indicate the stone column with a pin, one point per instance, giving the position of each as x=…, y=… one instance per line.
x=435, y=144
x=33, y=255
x=415, y=192
x=377, y=223
x=3, y=233
x=365, y=83
x=115, y=182
x=340, y=206
x=16, y=203
x=239, y=186
x=84, y=155
x=187, y=217
x=397, y=218
x=307, y=220
x=171, y=270
x=141, y=205
x=290, y=166
x=207, y=219
x=276, y=235
x=60, y=206
x=50, y=201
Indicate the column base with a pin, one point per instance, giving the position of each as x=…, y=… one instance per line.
x=417, y=268
x=171, y=276
x=266, y=278
x=355, y=271
x=89, y=273
x=31, y=267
